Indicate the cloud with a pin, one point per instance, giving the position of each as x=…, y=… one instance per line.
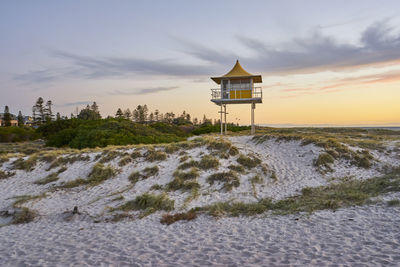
x=78, y=103
x=143, y=91
x=103, y=67
x=378, y=43
x=344, y=83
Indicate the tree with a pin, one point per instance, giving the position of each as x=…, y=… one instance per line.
x=151, y=117
x=7, y=116
x=140, y=113
x=58, y=116
x=119, y=114
x=195, y=121
x=157, y=115
x=206, y=121
x=95, y=107
x=127, y=114
x=38, y=111
x=48, y=113
x=20, y=119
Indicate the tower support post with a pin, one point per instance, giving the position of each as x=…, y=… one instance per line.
x=253, y=128
x=225, y=119
x=221, y=121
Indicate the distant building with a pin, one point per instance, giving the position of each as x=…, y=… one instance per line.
x=14, y=121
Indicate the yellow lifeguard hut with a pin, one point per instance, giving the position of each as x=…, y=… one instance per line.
x=237, y=87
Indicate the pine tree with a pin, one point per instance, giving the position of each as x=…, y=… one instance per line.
x=7, y=117
x=127, y=114
x=58, y=116
x=48, y=113
x=119, y=114
x=151, y=117
x=157, y=115
x=20, y=119
x=38, y=111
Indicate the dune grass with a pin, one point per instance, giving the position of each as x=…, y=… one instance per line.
x=155, y=155
x=172, y=218
x=149, y=203
x=125, y=160
x=228, y=179
x=136, y=176
x=98, y=175
x=335, y=141
x=5, y=174
x=184, y=181
x=337, y=195
x=19, y=200
x=52, y=177
x=25, y=164
x=248, y=162
x=25, y=215
x=323, y=162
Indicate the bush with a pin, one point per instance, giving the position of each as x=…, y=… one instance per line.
x=17, y=134
x=77, y=133
x=204, y=129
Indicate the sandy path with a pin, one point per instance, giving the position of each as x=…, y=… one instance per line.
x=363, y=236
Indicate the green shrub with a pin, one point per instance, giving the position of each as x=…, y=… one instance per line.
x=248, y=162
x=78, y=133
x=204, y=129
x=52, y=177
x=17, y=134
x=229, y=179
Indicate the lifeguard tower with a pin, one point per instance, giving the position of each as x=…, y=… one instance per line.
x=237, y=87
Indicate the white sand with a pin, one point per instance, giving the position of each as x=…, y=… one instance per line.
x=363, y=235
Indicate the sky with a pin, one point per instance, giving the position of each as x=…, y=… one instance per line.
x=322, y=62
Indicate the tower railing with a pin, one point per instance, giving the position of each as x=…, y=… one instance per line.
x=239, y=93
